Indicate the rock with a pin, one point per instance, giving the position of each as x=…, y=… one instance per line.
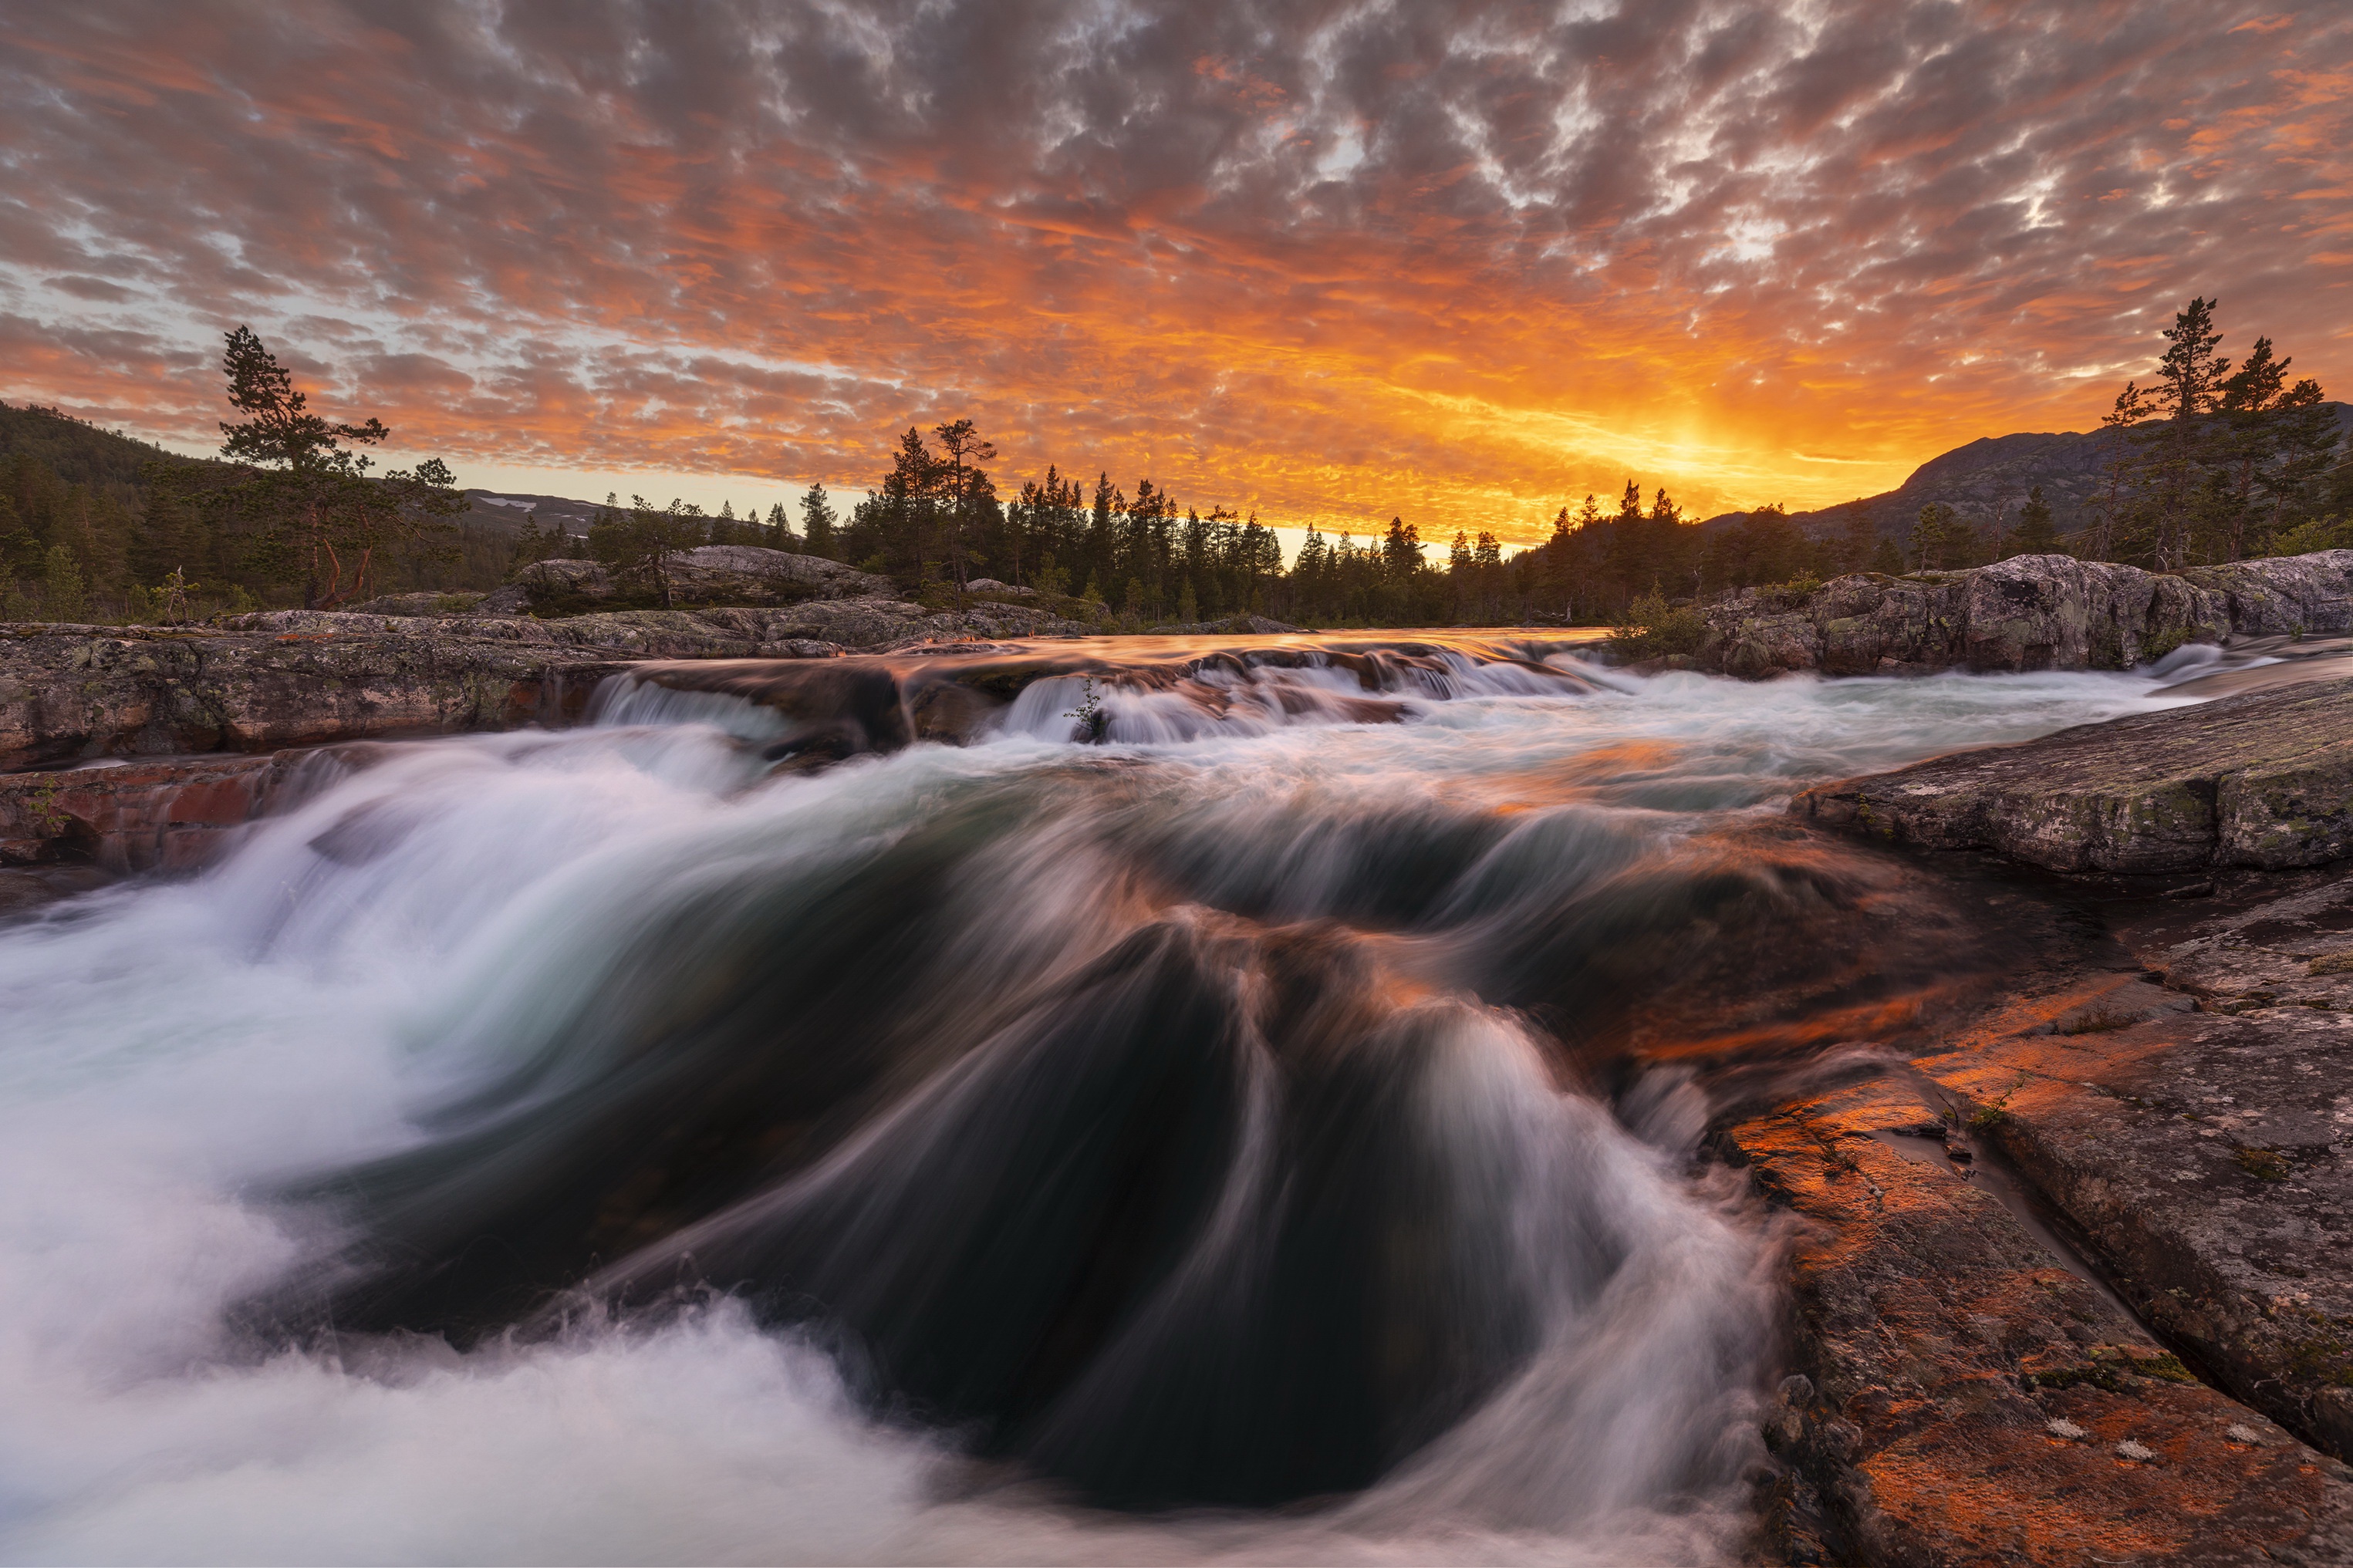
x=166, y=815
x=1233, y=625
x=1960, y=1396
x=557, y=581
x=28, y=890
x=2204, y=1151
x=417, y=605
x=2031, y=612
x=301, y=678
x=712, y=573
x=2263, y=780
x=285, y=678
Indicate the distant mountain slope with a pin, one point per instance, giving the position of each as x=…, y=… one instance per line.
x=1993, y=475
x=79, y=453
x=109, y=461
x=503, y=513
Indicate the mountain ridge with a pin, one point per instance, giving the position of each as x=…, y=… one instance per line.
x=1990, y=477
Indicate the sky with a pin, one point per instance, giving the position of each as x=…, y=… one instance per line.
x=1456, y=261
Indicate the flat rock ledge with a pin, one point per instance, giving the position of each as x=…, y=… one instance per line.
x=2029, y=613
x=2263, y=780
x=2163, y=1373
x=290, y=678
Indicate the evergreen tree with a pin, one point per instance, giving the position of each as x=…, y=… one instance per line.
x=637, y=544
x=2037, y=535
x=1858, y=538
x=966, y=451
x=817, y=521
x=2191, y=379
x=1935, y=537
x=307, y=494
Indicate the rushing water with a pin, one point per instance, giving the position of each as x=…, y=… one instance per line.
x=1267, y=1135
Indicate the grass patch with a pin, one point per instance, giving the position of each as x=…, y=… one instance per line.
x=2110, y=1373
x=2331, y=963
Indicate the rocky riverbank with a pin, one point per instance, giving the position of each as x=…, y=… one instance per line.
x=2167, y=1080
x=407, y=666
x=2261, y=780
x=2029, y=613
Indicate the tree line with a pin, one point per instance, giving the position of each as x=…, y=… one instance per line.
x=2209, y=462
x=95, y=526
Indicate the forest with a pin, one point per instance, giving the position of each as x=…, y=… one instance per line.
x=2209, y=462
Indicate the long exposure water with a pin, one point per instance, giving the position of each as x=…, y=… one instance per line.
x=1266, y=1135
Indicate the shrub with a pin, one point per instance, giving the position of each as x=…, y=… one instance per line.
x=1651, y=629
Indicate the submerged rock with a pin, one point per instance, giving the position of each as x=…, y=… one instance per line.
x=2263, y=780
x=2029, y=613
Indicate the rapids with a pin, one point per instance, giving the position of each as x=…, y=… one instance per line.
x=1271, y=1133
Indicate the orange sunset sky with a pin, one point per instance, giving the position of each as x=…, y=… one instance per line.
x=1460, y=262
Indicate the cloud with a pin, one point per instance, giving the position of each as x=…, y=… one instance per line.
x=1460, y=260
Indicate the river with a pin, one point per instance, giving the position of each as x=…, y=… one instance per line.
x=1271, y=1133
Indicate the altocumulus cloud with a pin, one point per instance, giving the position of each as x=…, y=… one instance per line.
x=1333, y=261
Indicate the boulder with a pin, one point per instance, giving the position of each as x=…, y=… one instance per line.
x=287, y=678
x=711, y=573
x=2262, y=779
x=2031, y=612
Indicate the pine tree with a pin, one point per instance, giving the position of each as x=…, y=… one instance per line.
x=1935, y=537
x=2189, y=389
x=818, y=521
x=779, y=527
x=307, y=494
x=2037, y=535
x=64, y=596
x=1858, y=538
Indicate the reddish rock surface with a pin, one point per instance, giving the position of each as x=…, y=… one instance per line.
x=1959, y=1396
x=173, y=815
x=2200, y=1136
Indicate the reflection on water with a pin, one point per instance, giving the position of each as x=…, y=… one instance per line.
x=1266, y=1134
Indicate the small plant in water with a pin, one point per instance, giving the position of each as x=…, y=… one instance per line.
x=1094, y=723
x=1991, y=1112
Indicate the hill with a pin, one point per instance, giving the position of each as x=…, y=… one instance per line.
x=1991, y=475
x=79, y=453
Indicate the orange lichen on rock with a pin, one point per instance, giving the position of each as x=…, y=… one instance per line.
x=1960, y=1396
